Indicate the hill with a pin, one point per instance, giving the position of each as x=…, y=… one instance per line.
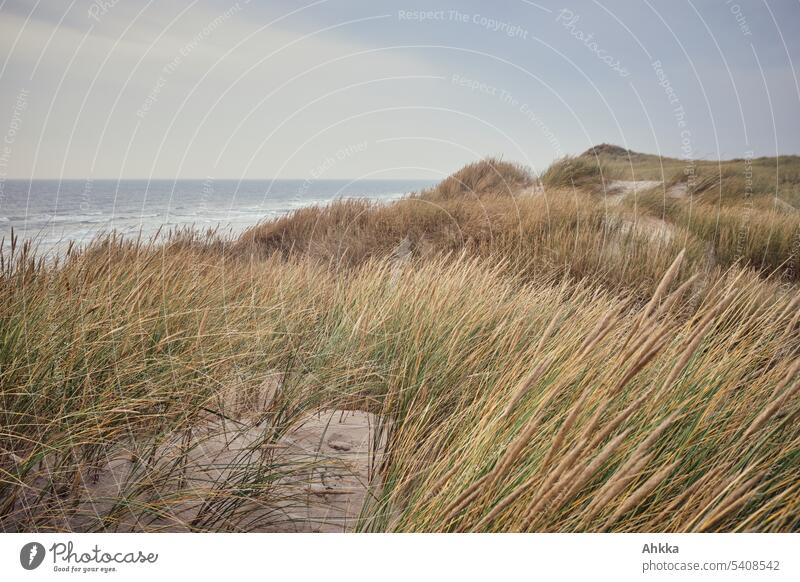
x=762, y=181
x=487, y=355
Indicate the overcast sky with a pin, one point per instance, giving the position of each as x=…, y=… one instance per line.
x=373, y=88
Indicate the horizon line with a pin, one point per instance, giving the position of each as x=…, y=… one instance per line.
x=160, y=179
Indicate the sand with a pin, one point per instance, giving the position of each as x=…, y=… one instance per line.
x=335, y=493
x=230, y=472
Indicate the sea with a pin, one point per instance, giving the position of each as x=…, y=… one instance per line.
x=53, y=213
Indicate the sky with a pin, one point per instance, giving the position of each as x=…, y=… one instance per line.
x=386, y=89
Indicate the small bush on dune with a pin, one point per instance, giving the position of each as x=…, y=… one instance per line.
x=574, y=172
x=489, y=177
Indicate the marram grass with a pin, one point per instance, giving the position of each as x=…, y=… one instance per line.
x=517, y=392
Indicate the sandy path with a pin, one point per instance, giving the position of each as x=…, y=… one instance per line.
x=616, y=190
x=656, y=229
x=334, y=493
x=229, y=473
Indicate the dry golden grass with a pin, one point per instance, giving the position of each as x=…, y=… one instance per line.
x=766, y=238
x=585, y=172
x=489, y=177
x=547, y=234
x=537, y=365
x=762, y=180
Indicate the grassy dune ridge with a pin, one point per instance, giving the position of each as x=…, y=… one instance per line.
x=762, y=179
x=539, y=363
x=745, y=211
